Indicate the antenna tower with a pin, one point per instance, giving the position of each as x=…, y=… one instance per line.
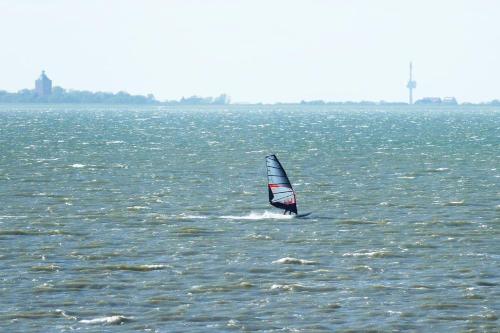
x=412, y=84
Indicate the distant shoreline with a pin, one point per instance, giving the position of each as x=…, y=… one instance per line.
x=61, y=96
x=339, y=104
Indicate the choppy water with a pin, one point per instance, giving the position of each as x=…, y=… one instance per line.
x=123, y=219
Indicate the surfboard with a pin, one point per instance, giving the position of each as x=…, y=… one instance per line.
x=280, y=190
x=299, y=216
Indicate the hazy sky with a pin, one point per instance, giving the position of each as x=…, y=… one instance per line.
x=255, y=50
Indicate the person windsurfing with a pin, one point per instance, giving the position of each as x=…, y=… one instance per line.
x=281, y=193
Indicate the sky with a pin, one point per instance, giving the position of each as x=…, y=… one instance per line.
x=255, y=50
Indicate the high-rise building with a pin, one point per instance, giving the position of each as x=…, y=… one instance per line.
x=43, y=86
x=411, y=84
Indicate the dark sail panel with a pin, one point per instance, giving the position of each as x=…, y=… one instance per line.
x=281, y=193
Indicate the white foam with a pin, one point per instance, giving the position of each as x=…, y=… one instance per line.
x=62, y=313
x=258, y=216
x=156, y=266
x=259, y=237
x=112, y=320
x=294, y=261
x=254, y=151
x=77, y=165
x=369, y=254
x=186, y=216
x=287, y=287
x=136, y=208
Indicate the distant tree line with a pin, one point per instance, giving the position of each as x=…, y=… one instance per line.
x=321, y=102
x=60, y=95
x=197, y=100
x=423, y=101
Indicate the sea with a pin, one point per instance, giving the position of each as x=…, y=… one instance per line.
x=156, y=219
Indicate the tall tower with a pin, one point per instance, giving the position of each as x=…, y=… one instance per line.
x=411, y=84
x=43, y=86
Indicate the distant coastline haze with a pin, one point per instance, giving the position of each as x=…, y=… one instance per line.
x=255, y=51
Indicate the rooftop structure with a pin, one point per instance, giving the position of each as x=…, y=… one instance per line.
x=43, y=86
x=412, y=84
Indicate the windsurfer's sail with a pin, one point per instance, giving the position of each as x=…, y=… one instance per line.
x=281, y=193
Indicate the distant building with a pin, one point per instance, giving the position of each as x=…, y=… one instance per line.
x=43, y=86
x=450, y=101
x=429, y=100
x=438, y=101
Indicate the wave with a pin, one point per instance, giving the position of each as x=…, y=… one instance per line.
x=35, y=315
x=31, y=232
x=190, y=217
x=294, y=261
x=137, y=208
x=289, y=287
x=78, y=165
x=46, y=268
x=301, y=287
x=221, y=288
x=112, y=320
x=136, y=268
x=431, y=170
x=455, y=203
x=259, y=237
x=191, y=231
x=369, y=254
x=258, y=216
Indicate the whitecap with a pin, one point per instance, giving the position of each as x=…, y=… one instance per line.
x=394, y=313
x=136, y=208
x=259, y=237
x=254, y=152
x=77, y=165
x=119, y=165
x=294, y=261
x=288, y=287
x=456, y=203
x=112, y=320
x=438, y=170
x=369, y=254
x=187, y=216
x=65, y=315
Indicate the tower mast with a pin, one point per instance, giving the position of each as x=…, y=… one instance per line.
x=411, y=84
